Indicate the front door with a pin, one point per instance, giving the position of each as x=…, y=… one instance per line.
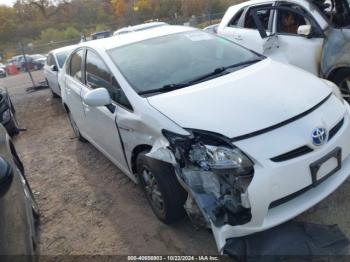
x=100, y=122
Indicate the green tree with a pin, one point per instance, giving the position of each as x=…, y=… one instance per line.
x=7, y=24
x=51, y=35
x=71, y=33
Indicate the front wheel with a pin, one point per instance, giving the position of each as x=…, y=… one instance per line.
x=164, y=193
x=342, y=79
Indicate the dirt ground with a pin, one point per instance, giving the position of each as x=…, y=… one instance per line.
x=89, y=207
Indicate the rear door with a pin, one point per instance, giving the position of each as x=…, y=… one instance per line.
x=249, y=35
x=73, y=88
x=242, y=29
x=285, y=44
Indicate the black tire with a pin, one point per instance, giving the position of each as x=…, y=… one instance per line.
x=12, y=126
x=172, y=193
x=75, y=128
x=342, y=79
x=54, y=95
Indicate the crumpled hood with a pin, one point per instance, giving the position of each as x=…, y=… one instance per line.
x=248, y=100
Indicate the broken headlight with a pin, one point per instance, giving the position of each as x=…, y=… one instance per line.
x=216, y=174
x=210, y=151
x=219, y=158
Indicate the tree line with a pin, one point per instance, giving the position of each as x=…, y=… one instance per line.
x=44, y=21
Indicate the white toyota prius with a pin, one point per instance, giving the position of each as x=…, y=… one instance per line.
x=239, y=142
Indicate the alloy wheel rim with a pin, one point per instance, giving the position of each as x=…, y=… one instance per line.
x=152, y=189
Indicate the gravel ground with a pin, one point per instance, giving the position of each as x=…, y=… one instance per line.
x=89, y=207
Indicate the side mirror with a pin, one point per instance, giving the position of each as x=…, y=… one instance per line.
x=97, y=97
x=304, y=30
x=54, y=68
x=6, y=176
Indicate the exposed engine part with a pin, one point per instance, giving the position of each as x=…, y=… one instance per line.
x=216, y=175
x=195, y=213
x=221, y=195
x=198, y=154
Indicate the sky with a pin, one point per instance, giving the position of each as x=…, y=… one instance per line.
x=7, y=2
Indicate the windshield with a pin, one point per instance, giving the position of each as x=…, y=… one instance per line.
x=176, y=58
x=61, y=57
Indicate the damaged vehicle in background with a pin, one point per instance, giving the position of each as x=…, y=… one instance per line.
x=311, y=34
x=8, y=113
x=238, y=141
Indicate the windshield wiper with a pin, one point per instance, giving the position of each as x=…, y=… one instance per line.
x=216, y=72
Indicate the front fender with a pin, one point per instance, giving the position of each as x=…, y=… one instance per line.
x=336, y=51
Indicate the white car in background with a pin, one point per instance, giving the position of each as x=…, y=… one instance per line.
x=238, y=141
x=53, y=67
x=3, y=72
x=311, y=34
x=140, y=27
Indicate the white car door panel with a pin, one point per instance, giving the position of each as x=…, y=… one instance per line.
x=252, y=40
x=102, y=129
x=300, y=51
x=74, y=87
x=100, y=122
x=285, y=45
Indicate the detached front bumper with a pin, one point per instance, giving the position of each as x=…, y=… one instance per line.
x=280, y=191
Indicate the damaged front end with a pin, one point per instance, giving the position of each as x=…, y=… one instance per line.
x=216, y=174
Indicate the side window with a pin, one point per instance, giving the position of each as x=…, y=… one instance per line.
x=263, y=14
x=288, y=22
x=49, y=60
x=53, y=61
x=75, y=65
x=235, y=20
x=98, y=75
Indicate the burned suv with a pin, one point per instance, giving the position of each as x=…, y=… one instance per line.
x=313, y=35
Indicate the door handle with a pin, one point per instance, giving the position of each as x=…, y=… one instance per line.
x=126, y=128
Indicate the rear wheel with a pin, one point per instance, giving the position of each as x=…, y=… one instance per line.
x=163, y=191
x=75, y=128
x=54, y=95
x=342, y=79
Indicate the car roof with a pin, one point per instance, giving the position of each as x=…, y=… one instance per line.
x=65, y=48
x=140, y=27
x=125, y=39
